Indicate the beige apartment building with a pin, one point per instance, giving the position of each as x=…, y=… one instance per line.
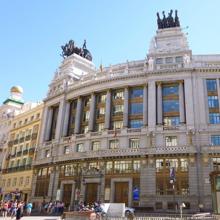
x=17, y=169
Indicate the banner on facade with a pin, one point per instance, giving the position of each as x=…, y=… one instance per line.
x=136, y=194
x=58, y=195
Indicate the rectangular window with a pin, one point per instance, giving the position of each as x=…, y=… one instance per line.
x=214, y=118
x=213, y=102
x=118, y=109
x=135, y=123
x=136, y=93
x=159, y=61
x=100, y=112
x=184, y=164
x=169, y=59
x=171, y=121
x=109, y=167
x=100, y=126
x=113, y=144
x=94, y=165
x=14, y=182
x=66, y=149
x=85, y=129
x=80, y=147
x=170, y=105
x=159, y=165
x=179, y=59
x=170, y=90
x=215, y=140
x=211, y=85
x=134, y=143
x=216, y=163
x=102, y=98
x=118, y=95
x=86, y=116
x=170, y=141
x=136, y=108
x=69, y=170
x=21, y=181
x=27, y=181
x=95, y=145
x=117, y=124
x=136, y=166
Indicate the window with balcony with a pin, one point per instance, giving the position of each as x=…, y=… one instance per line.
x=215, y=140
x=117, y=124
x=114, y=144
x=134, y=143
x=159, y=61
x=27, y=181
x=95, y=145
x=80, y=147
x=47, y=153
x=100, y=127
x=101, y=98
x=100, y=112
x=170, y=141
x=171, y=121
x=8, y=182
x=216, y=163
x=14, y=183
x=118, y=109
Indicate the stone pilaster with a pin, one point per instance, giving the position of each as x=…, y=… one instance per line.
x=159, y=104
x=181, y=103
x=78, y=115
x=152, y=105
x=147, y=185
x=189, y=102
x=145, y=111
x=53, y=185
x=125, y=113
x=66, y=119
x=108, y=110
x=92, y=112
x=44, y=125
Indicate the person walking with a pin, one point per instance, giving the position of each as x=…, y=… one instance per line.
x=19, y=211
x=29, y=208
x=5, y=210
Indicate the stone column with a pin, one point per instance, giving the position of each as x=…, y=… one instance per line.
x=159, y=104
x=53, y=185
x=66, y=119
x=181, y=103
x=92, y=112
x=125, y=113
x=34, y=183
x=60, y=118
x=145, y=121
x=108, y=110
x=218, y=90
x=78, y=115
x=48, y=123
x=152, y=104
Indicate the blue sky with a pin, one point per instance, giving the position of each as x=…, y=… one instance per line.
x=116, y=30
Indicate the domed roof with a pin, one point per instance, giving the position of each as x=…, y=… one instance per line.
x=17, y=89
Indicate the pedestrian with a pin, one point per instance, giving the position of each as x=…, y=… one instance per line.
x=93, y=216
x=19, y=211
x=29, y=208
x=5, y=209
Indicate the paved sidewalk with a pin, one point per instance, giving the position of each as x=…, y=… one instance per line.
x=34, y=218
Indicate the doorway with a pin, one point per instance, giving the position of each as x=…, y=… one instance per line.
x=121, y=192
x=67, y=192
x=91, y=193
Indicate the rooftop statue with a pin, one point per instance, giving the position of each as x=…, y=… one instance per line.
x=168, y=22
x=70, y=48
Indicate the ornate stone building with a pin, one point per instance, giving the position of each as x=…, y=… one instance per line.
x=144, y=132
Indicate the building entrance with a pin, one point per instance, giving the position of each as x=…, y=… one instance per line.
x=67, y=192
x=121, y=192
x=91, y=192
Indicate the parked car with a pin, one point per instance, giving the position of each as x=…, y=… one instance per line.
x=129, y=211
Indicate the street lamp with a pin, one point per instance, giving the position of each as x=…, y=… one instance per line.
x=181, y=209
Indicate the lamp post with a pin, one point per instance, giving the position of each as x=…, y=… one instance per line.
x=172, y=181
